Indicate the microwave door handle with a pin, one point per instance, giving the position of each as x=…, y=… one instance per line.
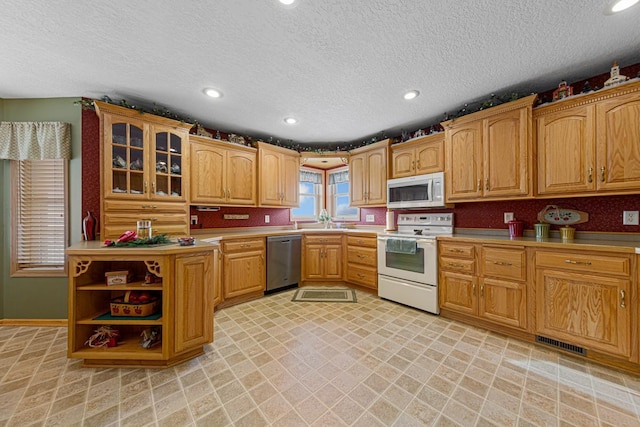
x=430, y=189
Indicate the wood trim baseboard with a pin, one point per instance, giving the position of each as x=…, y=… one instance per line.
x=34, y=322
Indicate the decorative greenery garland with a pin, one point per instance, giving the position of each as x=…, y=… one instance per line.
x=87, y=104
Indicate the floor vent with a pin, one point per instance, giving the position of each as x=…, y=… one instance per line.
x=562, y=345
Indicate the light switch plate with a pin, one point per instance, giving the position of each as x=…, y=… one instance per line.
x=370, y=218
x=508, y=216
x=267, y=218
x=194, y=219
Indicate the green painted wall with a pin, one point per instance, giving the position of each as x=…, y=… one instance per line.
x=39, y=298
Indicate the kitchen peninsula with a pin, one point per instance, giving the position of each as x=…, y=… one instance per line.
x=179, y=278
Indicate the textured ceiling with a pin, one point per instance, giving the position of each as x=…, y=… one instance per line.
x=340, y=67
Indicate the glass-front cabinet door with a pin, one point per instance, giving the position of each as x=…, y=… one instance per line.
x=125, y=158
x=168, y=163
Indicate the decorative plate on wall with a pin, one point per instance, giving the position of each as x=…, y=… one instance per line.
x=552, y=214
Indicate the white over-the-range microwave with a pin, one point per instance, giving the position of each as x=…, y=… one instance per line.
x=420, y=191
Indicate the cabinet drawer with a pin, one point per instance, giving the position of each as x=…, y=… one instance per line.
x=586, y=263
x=505, y=263
x=323, y=240
x=369, y=242
x=365, y=256
x=144, y=207
x=365, y=276
x=242, y=245
x=458, y=250
x=454, y=264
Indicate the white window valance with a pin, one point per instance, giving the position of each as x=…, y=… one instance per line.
x=307, y=176
x=35, y=140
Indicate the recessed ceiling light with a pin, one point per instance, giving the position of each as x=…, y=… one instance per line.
x=213, y=93
x=287, y=2
x=615, y=6
x=290, y=121
x=411, y=94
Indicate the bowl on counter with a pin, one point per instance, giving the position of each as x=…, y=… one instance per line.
x=186, y=241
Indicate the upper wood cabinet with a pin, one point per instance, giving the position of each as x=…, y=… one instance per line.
x=368, y=175
x=279, y=172
x=222, y=173
x=489, y=155
x=418, y=156
x=587, y=145
x=144, y=157
x=144, y=171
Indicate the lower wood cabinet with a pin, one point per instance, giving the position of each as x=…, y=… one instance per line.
x=496, y=291
x=322, y=257
x=362, y=261
x=243, y=267
x=182, y=284
x=584, y=299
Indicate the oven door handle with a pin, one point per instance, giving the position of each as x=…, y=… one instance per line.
x=421, y=242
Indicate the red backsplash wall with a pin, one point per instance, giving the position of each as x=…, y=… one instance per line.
x=605, y=212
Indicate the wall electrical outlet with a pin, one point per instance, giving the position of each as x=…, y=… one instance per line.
x=508, y=216
x=370, y=218
x=630, y=218
x=267, y=218
x=194, y=219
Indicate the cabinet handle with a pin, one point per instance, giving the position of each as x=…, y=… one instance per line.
x=569, y=261
x=602, y=169
x=228, y=193
x=361, y=256
x=153, y=187
x=323, y=240
x=486, y=184
x=361, y=275
x=590, y=177
x=455, y=265
x=413, y=165
x=417, y=164
x=622, y=305
x=473, y=289
x=502, y=263
x=482, y=291
x=456, y=251
x=479, y=185
x=144, y=190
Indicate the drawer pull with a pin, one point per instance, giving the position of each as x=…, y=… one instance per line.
x=508, y=264
x=450, y=264
x=456, y=251
x=622, y=304
x=361, y=256
x=245, y=245
x=570, y=261
x=361, y=275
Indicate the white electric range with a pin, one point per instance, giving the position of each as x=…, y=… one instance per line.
x=408, y=260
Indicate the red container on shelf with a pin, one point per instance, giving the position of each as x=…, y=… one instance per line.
x=516, y=228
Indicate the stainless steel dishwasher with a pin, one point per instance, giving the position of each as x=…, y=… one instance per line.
x=283, y=262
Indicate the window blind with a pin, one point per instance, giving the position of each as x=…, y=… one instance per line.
x=41, y=224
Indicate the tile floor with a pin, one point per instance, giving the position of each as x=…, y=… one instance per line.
x=275, y=362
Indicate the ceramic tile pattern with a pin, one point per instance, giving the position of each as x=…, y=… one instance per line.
x=275, y=362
